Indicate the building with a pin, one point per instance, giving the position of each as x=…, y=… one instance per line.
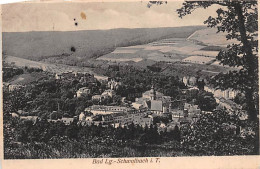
x=185, y=80
x=100, y=109
x=199, y=60
x=227, y=94
x=5, y=86
x=189, y=81
x=101, y=78
x=121, y=119
x=58, y=76
x=193, y=110
x=83, y=92
x=141, y=104
x=152, y=95
x=14, y=87
x=86, y=78
x=176, y=114
x=189, y=114
x=108, y=93
x=15, y=115
x=144, y=121
x=67, y=121
x=34, y=119
x=82, y=116
x=156, y=107
x=96, y=97
x=113, y=85
x=155, y=101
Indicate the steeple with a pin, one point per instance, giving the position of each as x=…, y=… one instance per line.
x=153, y=93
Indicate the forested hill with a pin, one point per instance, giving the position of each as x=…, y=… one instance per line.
x=84, y=44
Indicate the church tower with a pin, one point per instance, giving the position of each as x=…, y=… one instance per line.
x=153, y=93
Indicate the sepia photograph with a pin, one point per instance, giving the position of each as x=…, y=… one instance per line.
x=130, y=79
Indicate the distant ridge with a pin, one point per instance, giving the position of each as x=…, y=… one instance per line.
x=80, y=46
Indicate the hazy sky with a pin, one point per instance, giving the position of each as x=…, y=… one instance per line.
x=21, y=17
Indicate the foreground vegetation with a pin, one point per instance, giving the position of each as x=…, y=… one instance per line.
x=209, y=136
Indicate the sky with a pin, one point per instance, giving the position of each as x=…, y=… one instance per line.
x=73, y=16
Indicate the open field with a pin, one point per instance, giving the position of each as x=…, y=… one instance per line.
x=172, y=49
x=210, y=37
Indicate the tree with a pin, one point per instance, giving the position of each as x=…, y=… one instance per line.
x=216, y=134
x=176, y=133
x=239, y=20
x=206, y=101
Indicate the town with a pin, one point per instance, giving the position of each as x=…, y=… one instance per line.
x=150, y=108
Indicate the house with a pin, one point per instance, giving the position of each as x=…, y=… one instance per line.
x=101, y=78
x=108, y=93
x=116, y=125
x=189, y=81
x=140, y=104
x=67, y=121
x=86, y=78
x=161, y=127
x=96, y=97
x=227, y=94
x=58, y=76
x=192, y=81
x=113, y=85
x=83, y=91
x=15, y=115
x=5, y=84
x=172, y=125
x=192, y=109
x=82, y=116
x=176, y=114
x=143, y=121
x=68, y=75
x=34, y=119
x=166, y=99
x=185, y=80
x=137, y=105
x=14, y=87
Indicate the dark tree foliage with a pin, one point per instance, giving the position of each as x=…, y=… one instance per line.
x=239, y=19
x=8, y=73
x=135, y=81
x=23, y=139
x=218, y=133
x=154, y=68
x=206, y=101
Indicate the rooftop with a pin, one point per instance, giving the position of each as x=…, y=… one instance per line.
x=156, y=105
